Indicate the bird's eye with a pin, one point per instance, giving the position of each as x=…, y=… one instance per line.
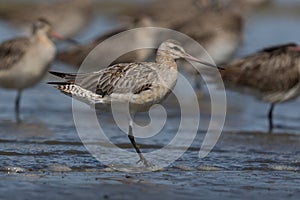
x=176, y=48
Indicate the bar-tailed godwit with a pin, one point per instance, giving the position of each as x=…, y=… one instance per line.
x=140, y=84
x=272, y=74
x=24, y=61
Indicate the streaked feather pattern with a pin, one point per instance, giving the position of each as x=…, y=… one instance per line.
x=11, y=52
x=120, y=78
x=271, y=71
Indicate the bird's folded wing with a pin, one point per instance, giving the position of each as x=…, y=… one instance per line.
x=269, y=70
x=120, y=78
x=12, y=51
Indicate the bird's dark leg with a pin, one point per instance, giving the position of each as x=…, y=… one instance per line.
x=197, y=83
x=17, y=106
x=270, y=117
x=131, y=138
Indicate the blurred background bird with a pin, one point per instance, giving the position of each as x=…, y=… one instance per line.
x=272, y=75
x=24, y=61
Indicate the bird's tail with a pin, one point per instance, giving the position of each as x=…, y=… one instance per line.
x=64, y=87
x=67, y=86
x=66, y=76
x=70, y=88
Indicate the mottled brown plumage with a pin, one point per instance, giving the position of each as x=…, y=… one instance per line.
x=272, y=74
x=11, y=52
x=272, y=70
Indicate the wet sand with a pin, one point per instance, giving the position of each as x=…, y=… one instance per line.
x=206, y=185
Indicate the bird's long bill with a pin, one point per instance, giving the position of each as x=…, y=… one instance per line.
x=189, y=57
x=56, y=35
x=60, y=37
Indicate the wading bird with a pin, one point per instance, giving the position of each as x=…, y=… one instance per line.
x=272, y=74
x=140, y=84
x=25, y=61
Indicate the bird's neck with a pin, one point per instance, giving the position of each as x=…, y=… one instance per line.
x=41, y=38
x=166, y=59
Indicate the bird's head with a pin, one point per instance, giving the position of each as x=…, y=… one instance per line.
x=43, y=27
x=176, y=51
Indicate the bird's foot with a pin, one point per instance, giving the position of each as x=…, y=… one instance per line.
x=144, y=161
x=18, y=121
x=270, y=130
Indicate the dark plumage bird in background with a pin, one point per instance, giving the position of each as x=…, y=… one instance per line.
x=272, y=74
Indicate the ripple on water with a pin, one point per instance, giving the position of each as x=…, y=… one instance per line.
x=10, y=169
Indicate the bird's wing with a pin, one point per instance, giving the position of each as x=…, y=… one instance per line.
x=12, y=51
x=120, y=78
x=272, y=69
x=278, y=48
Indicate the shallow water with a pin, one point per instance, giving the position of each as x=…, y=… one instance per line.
x=44, y=156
